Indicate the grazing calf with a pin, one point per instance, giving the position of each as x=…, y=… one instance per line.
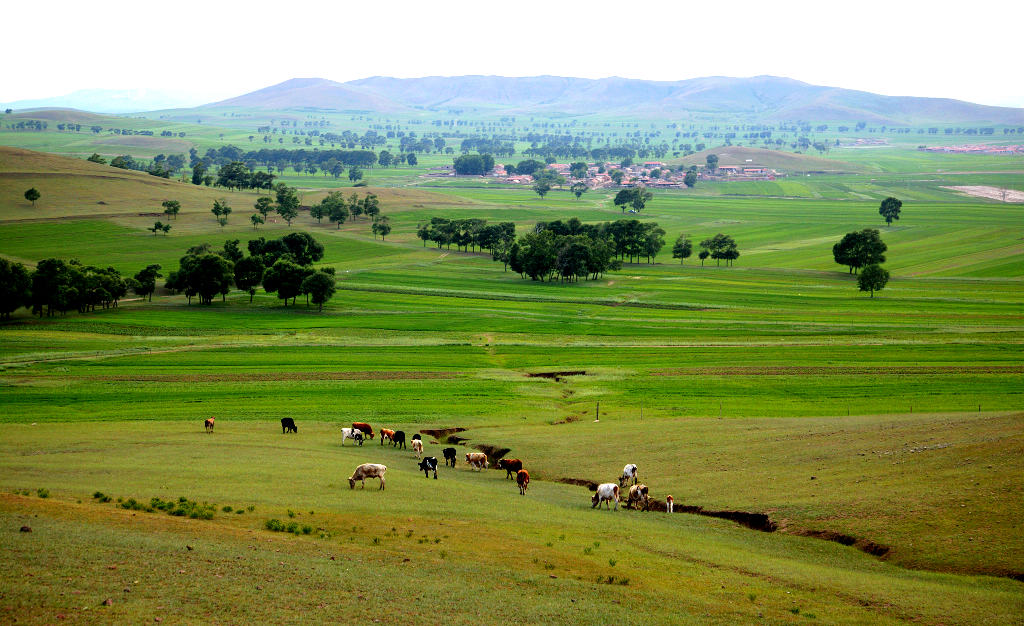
x=387, y=433
x=638, y=495
x=417, y=446
x=288, y=425
x=209, y=425
x=523, y=480
x=398, y=439
x=364, y=428
x=428, y=465
x=606, y=492
x=669, y=504
x=628, y=472
x=477, y=460
x=450, y=454
x=351, y=433
x=511, y=466
x=367, y=470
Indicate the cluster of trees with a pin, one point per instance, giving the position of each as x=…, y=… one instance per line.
x=468, y=233
x=473, y=164
x=860, y=249
x=635, y=197
x=282, y=266
x=301, y=160
x=720, y=247
x=568, y=250
x=59, y=286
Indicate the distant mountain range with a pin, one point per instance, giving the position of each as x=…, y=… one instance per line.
x=111, y=101
x=766, y=98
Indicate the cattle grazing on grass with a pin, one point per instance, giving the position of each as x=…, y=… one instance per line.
x=417, y=446
x=450, y=454
x=364, y=428
x=416, y=437
x=367, y=470
x=477, y=460
x=398, y=439
x=511, y=466
x=209, y=425
x=628, y=472
x=638, y=496
x=387, y=433
x=428, y=465
x=606, y=492
x=523, y=480
x=351, y=433
x=288, y=426
x=669, y=504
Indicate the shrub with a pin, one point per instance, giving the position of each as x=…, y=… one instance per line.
x=306, y=529
x=43, y=492
x=274, y=525
x=227, y=508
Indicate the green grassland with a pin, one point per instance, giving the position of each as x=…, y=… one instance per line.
x=770, y=387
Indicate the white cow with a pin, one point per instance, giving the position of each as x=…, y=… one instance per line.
x=477, y=460
x=670, y=504
x=351, y=433
x=606, y=492
x=628, y=472
x=367, y=470
x=417, y=447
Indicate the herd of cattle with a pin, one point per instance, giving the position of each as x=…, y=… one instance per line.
x=605, y=493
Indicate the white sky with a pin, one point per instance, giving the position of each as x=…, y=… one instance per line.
x=969, y=51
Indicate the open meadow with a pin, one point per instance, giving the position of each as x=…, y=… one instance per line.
x=872, y=447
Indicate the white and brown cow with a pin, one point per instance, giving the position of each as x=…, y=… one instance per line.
x=417, y=447
x=367, y=470
x=628, y=473
x=638, y=496
x=477, y=460
x=209, y=425
x=606, y=492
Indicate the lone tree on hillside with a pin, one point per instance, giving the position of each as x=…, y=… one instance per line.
x=578, y=189
x=890, y=209
x=690, y=179
x=872, y=279
x=256, y=220
x=381, y=227
x=712, y=160
x=32, y=195
x=542, y=188
x=704, y=254
x=860, y=249
x=683, y=248
x=221, y=210
x=171, y=208
x=287, y=203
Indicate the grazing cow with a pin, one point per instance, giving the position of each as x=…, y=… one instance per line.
x=416, y=437
x=449, y=455
x=638, y=495
x=606, y=492
x=428, y=465
x=386, y=433
x=477, y=460
x=398, y=439
x=523, y=480
x=363, y=427
x=628, y=472
x=288, y=425
x=209, y=425
x=669, y=504
x=367, y=470
x=511, y=466
x=351, y=433
x=417, y=446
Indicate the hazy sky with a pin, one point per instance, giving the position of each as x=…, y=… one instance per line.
x=213, y=50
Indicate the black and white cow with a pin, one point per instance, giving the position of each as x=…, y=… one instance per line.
x=428, y=465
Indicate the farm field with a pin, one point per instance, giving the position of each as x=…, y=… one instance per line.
x=775, y=388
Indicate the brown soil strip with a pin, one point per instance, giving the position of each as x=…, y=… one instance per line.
x=863, y=545
x=438, y=433
x=783, y=370
x=494, y=453
x=272, y=376
x=556, y=376
x=581, y=482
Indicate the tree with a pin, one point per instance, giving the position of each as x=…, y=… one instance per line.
x=234, y=175
x=712, y=161
x=721, y=247
x=96, y=158
x=15, y=287
x=542, y=188
x=320, y=287
x=578, y=189
x=264, y=205
x=371, y=206
x=221, y=210
x=859, y=249
x=890, y=209
x=231, y=251
x=145, y=281
x=285, y=278
x=287, y=203
x=318, y=211
x=683, y=248
x=703, y=255
x=256, y=220
x=616, y=175
x=337, y=209
x=381, y=227
x=249, y=274
x=635, y=197
x=32, y=195
x=355, y=174
x=873, y=278
x=411, y=159
x=159, y=227
x=171, y=208
x=578, y=170
x=690, y=179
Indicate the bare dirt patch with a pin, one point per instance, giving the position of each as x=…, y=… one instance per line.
x=864, y=545
x=556, y=376
x=580, y=482
x=991, y=193
x=494, y=453
x=439, y=433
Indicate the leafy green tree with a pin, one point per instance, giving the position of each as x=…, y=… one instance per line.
x=303, y=248
x=578, y=189
x=529, y=167
x=371, y=206
x=712, y=161
x=541, y=188
x=264, y=205
x=683, y=248
x=221, y=210
x=232, y=251
x=198, y=173
x=721, y=247
x=256, y=220
x=318, y=211
x=96, y=158
x=285, y=278
x=249, y=274
x=381, y=227
x=890, y=209
x=234, y=175
x=690, y=179
x=287, y=203
x=337, y=208
x=635, y=197
x=873, y=278
x=578, y=169
x=355, y=174
x=859, y=249
x=159, y=227
x=411, y=159
x=15, y=287
x=171, y=208
x=145, y=281
x=617, y=175
x=702, y=256
x=320, y=286
x=32, y=195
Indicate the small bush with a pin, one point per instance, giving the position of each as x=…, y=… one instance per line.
x=43, y=492
x=251, y=508
x=587, y=550
x=612, y=562
x=795, y=610
x=291, y=513
x=227, y=508
x=307, y=529
x=99, y=496
x=292, y=527
x=273, y=525
x=240, y=511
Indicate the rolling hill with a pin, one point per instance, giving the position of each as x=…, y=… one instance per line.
x=313, y=93
x=788, y=162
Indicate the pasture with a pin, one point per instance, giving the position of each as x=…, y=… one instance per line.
x=771, y=387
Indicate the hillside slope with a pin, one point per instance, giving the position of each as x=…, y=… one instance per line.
x=313, y=93
x=788, y=162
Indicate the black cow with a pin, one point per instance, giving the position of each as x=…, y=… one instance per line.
x=511, y=467
x=429, y=464
x=449, y=455
x=398, y=439
x=288, y=425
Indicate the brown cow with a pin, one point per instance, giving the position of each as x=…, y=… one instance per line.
x=386, y=433
x=209, y=425
x=477, y=460
x=638, y=495
x=364, y=428
x=523, y=480
x=511, y=466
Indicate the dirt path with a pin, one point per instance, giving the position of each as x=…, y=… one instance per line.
x=991, y=193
